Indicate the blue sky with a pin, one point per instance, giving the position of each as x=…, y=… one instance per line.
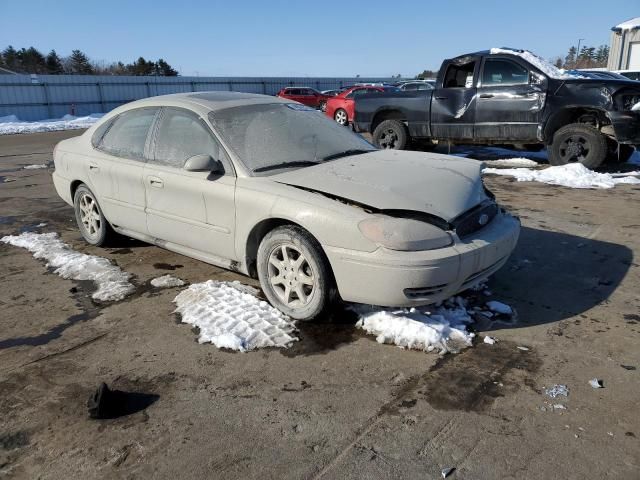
x=333, y=38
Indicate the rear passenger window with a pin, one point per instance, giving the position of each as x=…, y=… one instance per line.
x=459, y=75
x=181, y=135
x=128, y=134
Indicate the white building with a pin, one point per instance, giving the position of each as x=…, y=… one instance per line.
x=624, y=52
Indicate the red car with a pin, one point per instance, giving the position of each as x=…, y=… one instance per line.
x=305, y=95
x=341, y=107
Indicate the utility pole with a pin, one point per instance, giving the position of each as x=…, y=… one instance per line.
x=578, y=52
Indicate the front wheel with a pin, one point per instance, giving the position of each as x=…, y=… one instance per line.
x=578, y=142
x=391, y=135
x=294, y=273
x=341, y=117
x=323, y=106
x=93, y=226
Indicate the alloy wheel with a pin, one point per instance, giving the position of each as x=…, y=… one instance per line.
x=291, y=276
x=388, y=139
x=341, y=117
x=574, y=149
x=90, y=217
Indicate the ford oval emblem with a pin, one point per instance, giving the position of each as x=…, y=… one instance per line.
x=484, y=219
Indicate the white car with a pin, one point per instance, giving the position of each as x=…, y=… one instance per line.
x=274, y=189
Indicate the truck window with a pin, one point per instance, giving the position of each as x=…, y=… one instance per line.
x=503, y=72
x=459, y=76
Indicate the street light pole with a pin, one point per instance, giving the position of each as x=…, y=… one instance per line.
x=578, y=51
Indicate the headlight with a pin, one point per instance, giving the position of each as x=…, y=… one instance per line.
x=404, y=234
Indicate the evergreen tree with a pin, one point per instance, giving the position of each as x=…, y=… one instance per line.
x=10, y=59
x=78, y=63
x=570, y=59
x=141, y=67
x=164, y=69
x=54, y=63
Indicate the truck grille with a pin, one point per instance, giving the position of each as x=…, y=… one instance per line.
x=475, y=219
x=628, y=101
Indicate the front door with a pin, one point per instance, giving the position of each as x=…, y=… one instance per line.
x=510, y=101
x=453, y=103
x=192, y=209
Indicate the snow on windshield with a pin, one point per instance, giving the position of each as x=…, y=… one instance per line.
x=271, y=136
x=538, y=62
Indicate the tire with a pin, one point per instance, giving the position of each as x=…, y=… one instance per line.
x=577, y=142
x=620, y=153
x=301, y=299
x=341, y=117
x=391, y=135
x=95, y=229
x=323, y=106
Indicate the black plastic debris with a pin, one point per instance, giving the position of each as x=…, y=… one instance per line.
x=628, y=367
x=106, y=403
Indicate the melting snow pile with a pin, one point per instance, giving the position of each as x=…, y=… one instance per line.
x=11, y=124
x=167, y=281
x=512, y=162
x=444, y=328
x=230, y=317
x=111, y=282
x=573, y=175
x=35, y=167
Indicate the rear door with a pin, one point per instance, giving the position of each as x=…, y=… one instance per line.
x=192, y=209
x=510, y=101
x=453, y=103
x=117, y=171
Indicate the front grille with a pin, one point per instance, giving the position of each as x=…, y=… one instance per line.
x=475, y=219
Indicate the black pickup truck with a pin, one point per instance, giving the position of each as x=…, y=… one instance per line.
x=510, y=97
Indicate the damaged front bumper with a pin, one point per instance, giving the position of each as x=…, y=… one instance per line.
x=404, y=279
x=626, y=126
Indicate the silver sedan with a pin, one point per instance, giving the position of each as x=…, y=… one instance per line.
x=273, y=189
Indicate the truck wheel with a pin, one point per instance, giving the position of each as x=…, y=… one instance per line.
x=578, y=142
x=391, y=135
x=621, y=153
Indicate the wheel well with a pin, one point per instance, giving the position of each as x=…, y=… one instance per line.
x=74, y=186
x=589, y=116
x=386, y=115
x=255, y=237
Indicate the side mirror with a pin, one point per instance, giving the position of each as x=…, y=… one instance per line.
x=203, y=163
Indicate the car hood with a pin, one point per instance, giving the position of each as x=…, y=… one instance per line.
x=439, y=185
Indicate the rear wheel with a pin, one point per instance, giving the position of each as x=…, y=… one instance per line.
x=341, y=117
x=294, y=273
x=391, y=135
x=93, y=226
x=577, y=142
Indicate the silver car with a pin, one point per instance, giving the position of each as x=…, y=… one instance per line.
x=274, y=189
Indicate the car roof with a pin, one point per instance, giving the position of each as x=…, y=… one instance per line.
x=210, y=101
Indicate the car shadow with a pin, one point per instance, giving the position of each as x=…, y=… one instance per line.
x=552, y=276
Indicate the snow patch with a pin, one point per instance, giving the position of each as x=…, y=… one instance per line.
x=444, y=328
x=573, y=175
x=167, y=281
x=512, y=162
x=35, y=167
x=11, y=124
x=629, y=24
x=538, y=62
x=229, y=317
x=111, y=282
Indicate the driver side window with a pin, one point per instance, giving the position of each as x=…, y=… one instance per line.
x=181, y=135
x=503, y=72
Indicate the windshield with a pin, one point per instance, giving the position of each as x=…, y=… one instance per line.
x=276, y=136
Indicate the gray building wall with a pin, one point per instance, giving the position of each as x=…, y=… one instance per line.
x=620, y=47
x=37, y=97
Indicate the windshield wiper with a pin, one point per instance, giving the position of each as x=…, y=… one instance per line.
x=346, y=153
x=300, y=163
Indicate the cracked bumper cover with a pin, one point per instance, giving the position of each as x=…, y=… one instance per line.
x=404, y=279
x=626, y=126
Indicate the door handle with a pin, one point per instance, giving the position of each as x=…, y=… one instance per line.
x=441, y=98
x=486, y=95
x=155, y=182
x=94, y=167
